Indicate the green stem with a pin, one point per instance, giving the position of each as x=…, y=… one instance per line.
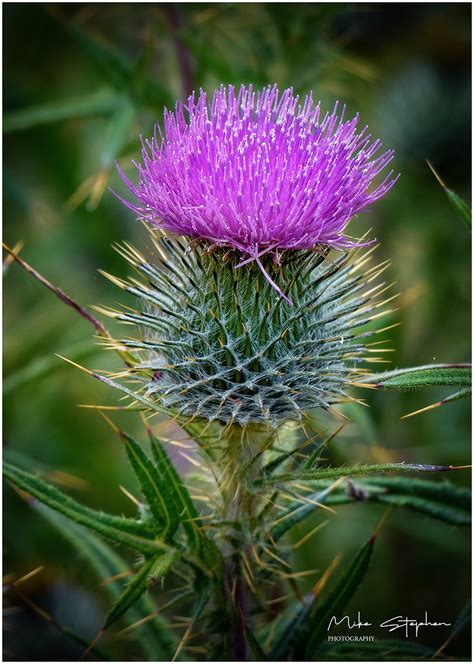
x=241, y=464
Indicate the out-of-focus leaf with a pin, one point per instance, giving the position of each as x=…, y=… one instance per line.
x=153, y=568
x=129, y=532
x=100, y=102
x=118, y=132
x=44, y=366
x=113, y=66
x=154, y=637
x=120, y=73
x=337, y=600
x=458, y=375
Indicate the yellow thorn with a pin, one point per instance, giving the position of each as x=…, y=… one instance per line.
x=309, y=535
x=298, y=575
x=129, y=496
x=91, y=645
x=442, y=183
x=27, y=576
x=13, y=252
x=115, y=280
x=422, y=410
x=74, y=364
x=109, y=422
x=116, y=577
x=381, y=522
x=325, y=577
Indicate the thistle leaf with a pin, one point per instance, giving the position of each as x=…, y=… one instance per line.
x=154, y=637
x=151, y=570
x=185, y=511
x=458, y=375
x=154, y=487
x=439, y=500
x=347, y=471
x=100, y=102
x=129, y=532
x=299, y=511
x=316, y=626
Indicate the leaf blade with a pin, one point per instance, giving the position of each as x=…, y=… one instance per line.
x=119, y=530
x=154, y=567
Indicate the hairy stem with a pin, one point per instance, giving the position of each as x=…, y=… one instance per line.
x=241, y=463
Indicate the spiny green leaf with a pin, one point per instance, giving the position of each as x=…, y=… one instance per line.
x=439, y=500
x=154, y=487
x=337, y=600
x=298, y=512
x=292, y=627
x=99, y=102
x=458, y=375
x=445, y=513
x=154, y=636
x=343, y=471
x=313, y=458
x=152, y=569
x=199, y=543
x=120, y=530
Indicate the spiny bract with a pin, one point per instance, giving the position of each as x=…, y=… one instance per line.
x=219, y=342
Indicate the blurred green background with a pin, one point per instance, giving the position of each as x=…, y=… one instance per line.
x=81, y=83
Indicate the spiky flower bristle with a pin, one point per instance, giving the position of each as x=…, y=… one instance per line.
x=218, y=342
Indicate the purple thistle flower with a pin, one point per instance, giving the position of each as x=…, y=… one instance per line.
x=258, y=172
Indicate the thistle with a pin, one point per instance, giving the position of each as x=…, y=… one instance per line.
x=254, y=308
x=245, y=320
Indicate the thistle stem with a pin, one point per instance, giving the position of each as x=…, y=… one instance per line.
x=242, y=454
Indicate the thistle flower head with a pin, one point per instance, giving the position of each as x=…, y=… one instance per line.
x=258, y=171
x=262, y=174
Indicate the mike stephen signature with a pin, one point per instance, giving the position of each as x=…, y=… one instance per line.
x=392, y=624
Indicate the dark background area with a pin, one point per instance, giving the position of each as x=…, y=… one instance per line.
x=81, y=83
